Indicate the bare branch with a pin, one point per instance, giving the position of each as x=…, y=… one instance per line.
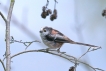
x=3, y=17
x=3, y=64
x=24, y=42
x=84, y=53
x=55, y=4
x=8, y=58
x=99, y=69
x=56, y=1
x=89, y=51
x=47, y=3
x=27, y=44
x=54, y=52
x=60, y=54
x=91, y=66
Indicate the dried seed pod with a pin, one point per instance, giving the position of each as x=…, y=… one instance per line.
x=55, y=11
x=55, y=16
x=51, y=17
x=43, y=15
x=104, y=13
x=72, y=68
x=49, y=11
x=43, y=8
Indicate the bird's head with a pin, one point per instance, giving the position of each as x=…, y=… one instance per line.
x=45, y=31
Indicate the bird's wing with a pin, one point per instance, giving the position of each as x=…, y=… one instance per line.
x=58, y=38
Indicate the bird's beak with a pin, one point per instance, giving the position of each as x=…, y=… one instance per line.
x=41, y=30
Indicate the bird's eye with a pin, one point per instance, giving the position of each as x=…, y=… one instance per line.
x=44, y=30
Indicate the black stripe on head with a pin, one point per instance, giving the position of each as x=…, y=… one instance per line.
x=48, y=28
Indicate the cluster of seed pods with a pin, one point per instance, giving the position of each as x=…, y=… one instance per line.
x=46, y=12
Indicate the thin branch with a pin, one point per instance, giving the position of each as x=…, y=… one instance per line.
x=8, y=58
x=67, y=57
x=56, y=1
x=86, y=63
x=55, y=4
x=75, y=65
x=85, y=53
x=91, y=66
x=3, y=64
x=99, y=69
x=89, y=51
x=47, y=3
x=54, y=52
x=3, y=17
x=27, y=44
x=24, y=42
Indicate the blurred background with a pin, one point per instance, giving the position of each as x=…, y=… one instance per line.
x=80, y=20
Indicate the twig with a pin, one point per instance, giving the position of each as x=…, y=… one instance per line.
x=56, y=1
x=8, y=59
x=91, y=66
x=55, y=4
x=98, y=69
x=89, y=51
x=3, y=17
x=45, y=51
x=84, y=53
x=54, y=52
x=3, y=64
x=27, y=44
x=47, y=3
x=65, y=56
x=24, y=42
x=30, y=43
x=75, y=66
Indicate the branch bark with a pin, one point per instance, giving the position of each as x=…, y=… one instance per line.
x=53, y=52
x=65, y=56
x=8, y=58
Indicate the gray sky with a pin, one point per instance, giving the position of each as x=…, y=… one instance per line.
x=79, y=20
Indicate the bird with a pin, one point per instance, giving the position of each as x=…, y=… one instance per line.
x=54, y=39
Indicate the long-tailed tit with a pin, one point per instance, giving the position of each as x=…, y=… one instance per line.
x=55, y=39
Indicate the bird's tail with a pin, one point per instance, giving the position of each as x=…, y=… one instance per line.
x=83, y=44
